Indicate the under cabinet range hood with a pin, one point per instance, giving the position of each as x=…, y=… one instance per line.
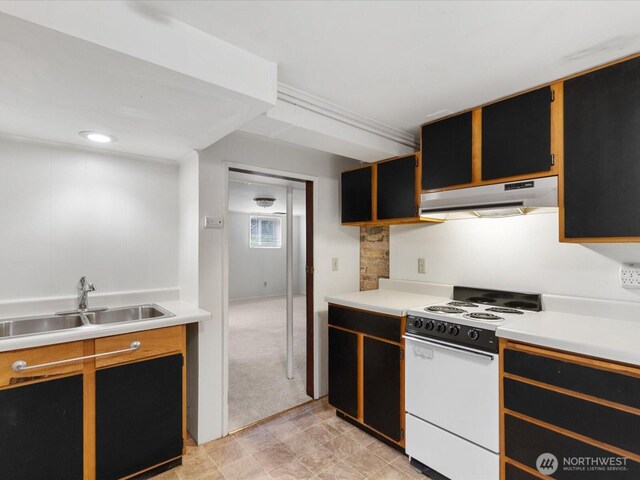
x=497, y=200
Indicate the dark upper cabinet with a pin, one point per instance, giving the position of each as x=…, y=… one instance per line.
x=381, y=402
x=356, y=188
x=41, y=430
x=138, y=416
x=516, y=135
x=396, y=188
x=447, y=152
x=343, y=371
x=602, y=153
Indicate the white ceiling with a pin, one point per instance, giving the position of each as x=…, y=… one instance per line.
x=53, y=85
x=242, y=193
x=399, y=62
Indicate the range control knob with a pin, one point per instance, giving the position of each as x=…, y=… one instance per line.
x=417, y=323
x=454, y=330
x=441, y=328
x=473, y=334
x=429, y=325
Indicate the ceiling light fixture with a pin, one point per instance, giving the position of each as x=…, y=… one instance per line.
x=97, y=136
x=264, y=202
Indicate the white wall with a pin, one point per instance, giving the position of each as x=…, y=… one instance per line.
x=250, y=268
x=67, y=212
x=516, y=253
x=332, y=240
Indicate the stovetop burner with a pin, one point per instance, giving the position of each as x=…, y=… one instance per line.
x=444, y=309
x=457, y=303
x=483, y=316
x=504, y=310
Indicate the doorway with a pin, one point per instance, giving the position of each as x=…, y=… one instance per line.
x=270, y=308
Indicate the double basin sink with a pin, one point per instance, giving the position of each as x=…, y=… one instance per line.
x=67, y=320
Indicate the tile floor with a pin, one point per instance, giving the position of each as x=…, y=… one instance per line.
x=308, y=442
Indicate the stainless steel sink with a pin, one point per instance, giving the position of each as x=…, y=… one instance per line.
x=127, y=314
x=33, y=325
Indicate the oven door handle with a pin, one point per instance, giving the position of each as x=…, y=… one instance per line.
x=433, y=343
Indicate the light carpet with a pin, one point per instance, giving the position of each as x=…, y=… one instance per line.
x=258, y=384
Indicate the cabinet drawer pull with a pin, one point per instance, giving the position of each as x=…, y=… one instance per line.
x=21, y=365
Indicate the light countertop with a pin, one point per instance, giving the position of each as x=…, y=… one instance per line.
x=606, y=338
x=390, y=302
x=183, y=313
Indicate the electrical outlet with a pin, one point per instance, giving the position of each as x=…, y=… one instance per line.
x=334, y=264
x=630, y=275
x=422, y=265
x=213, y=222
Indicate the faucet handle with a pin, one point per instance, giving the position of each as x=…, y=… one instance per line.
x=90, y=287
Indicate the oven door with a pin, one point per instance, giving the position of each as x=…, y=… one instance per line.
x=454, y=388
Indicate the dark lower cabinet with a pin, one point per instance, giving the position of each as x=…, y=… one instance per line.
x=138, y=416
x=343, y=371
x=382, y=387
x=41, y=430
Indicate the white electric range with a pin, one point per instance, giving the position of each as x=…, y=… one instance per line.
x=452, y=381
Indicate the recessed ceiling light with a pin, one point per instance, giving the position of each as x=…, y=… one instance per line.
x=97, y=137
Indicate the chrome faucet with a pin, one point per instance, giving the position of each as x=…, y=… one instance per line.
x=84, y=288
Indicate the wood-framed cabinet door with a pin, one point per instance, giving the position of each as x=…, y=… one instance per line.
x=516, y=135
x=446, y=151
x=382, y=385
x=343, y=371
x=41, y=430
x=396, y=188
x=602, y=155
x=138, y=416
x=356, y=188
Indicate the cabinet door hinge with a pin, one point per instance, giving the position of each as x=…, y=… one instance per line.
x=309, y=269
x=402, y=434
x=553, y=159
x=402, y=354
x=417, y=210
x=417, y=161
x=553, y=95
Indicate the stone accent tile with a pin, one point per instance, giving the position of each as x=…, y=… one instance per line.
x=374, y=256
x=272, y=458
x=342, y=446
x=300, y=444
x=402, y=464
x=292, y=471
x=390, y=473
x=340, y=471
x=365, y=462
x=226, y=454
x=322, y=433
x=360, y=436
x=193, y=468
x=385, y=452
x=244, y=469
x=318, y=460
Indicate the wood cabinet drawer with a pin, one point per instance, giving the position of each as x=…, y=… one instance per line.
x=525, y=442
x=38, y=356
x=153, y=343
x=604, y=384
x=376, y=325
x=514, y=473
x=602, y=423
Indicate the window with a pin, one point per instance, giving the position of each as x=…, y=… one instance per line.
x=265, y=232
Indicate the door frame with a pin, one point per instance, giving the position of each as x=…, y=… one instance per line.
x=311, y=196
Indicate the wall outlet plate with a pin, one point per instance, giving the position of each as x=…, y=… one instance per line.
x=334, y=264
x=213, y=222
x=630, y=275
x=422, y=265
